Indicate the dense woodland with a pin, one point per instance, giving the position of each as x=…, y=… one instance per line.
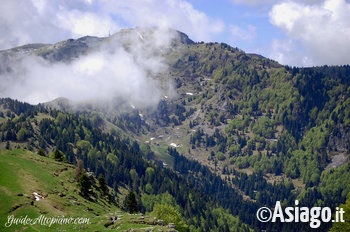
x=244, y=112
x=122, y=162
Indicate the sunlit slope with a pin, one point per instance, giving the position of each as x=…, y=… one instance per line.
x=23, y=173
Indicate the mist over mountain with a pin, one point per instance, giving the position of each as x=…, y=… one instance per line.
x=176, y=121
x=119, y=68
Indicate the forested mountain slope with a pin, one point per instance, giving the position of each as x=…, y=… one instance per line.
x=36, y=186
x=234, y=128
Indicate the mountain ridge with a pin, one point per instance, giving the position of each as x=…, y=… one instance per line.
x=257, y=125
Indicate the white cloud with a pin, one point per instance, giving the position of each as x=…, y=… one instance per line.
x=269, y=2
x=238, y=33
x=287, y=52
x=40, y=21
x=110, y=74
x=35, y=21
x=254, y=2
x=322, y=29
x=85, y=23
x=177, y=14
x=103, y=75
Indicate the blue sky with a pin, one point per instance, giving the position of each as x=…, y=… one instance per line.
x=293, y=32
x=244, y=17
x=260, y=28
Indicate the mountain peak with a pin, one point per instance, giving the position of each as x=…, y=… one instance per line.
x=177, y=37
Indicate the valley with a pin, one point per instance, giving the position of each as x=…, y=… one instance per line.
x=229, y=127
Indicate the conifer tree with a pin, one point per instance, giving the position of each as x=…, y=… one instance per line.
x=85, y=184
x=103, y=184
x=58, y=155
x=130, y=203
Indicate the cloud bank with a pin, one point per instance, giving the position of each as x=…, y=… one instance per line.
x=115, y=72
x=269, y=2
x=322, y=29
x=43, y=21
x=112, y=72
x=314, y=32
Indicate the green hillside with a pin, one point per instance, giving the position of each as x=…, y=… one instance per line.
x=239, y=131
x=124, y=165
x=23, y=173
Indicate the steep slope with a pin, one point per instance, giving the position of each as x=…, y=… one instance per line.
x=71, y=49
x=123, y=163
x=247, y=119
x=34, y=186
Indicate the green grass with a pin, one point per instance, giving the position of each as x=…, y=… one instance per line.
x=23, y=172
x=162, y=152
x=41, y=116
